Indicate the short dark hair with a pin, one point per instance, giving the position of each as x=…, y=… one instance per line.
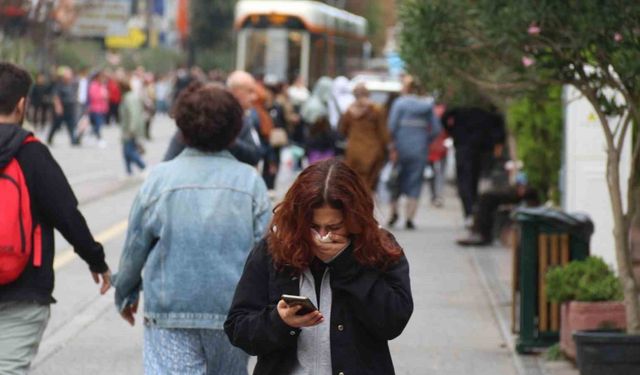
x=14, y=85
x=209, y=117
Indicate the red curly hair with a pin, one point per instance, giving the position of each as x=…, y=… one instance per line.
x=333, y=183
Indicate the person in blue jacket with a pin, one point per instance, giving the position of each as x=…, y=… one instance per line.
x=413, y=125
x=191, y=228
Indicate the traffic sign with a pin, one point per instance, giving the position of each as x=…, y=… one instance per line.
x=135, y=39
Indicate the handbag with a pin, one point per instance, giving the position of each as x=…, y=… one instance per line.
x=140, y=148
x=389, y=176
x=278, y=137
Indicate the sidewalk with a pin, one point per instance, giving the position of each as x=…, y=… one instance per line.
x=494, y=265
x=462, y=317
x=453, y=329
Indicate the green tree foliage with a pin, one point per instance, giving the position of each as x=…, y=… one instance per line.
x=565, y=38
x=536, y=121
x=447, y=46
x=158, y=60
x=78, y=54
x=211, y=22
x=212, y=33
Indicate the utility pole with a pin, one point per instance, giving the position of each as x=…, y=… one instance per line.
x=149, y=21
x=45, y=53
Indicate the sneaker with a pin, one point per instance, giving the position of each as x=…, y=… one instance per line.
x=437, y=203
x=473, y=239
x=468, y=222
x=409, y=225
x=392, y=221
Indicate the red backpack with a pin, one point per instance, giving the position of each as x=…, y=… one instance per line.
x=18, y=237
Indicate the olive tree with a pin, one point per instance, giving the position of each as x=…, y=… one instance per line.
x=503, y=46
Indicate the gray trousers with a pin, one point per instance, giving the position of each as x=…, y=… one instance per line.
x=21, y=327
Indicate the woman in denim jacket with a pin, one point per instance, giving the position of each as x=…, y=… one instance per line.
x=191, y=227
x=326, y=245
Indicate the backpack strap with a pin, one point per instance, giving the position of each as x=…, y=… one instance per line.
x=29, y=139
x=37, y=231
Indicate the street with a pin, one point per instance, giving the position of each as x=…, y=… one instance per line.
x=453, y=329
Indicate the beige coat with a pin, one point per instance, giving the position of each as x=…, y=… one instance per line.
x=365, y=127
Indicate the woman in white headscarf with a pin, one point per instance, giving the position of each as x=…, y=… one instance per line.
x=320, y=141
x=341, y=98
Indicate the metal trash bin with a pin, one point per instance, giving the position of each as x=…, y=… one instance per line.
x=546, y=238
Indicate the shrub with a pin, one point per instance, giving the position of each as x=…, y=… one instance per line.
x=554, y=353
x=587, y=280
x=158, y=60
x=78, y=54
x=536, y=122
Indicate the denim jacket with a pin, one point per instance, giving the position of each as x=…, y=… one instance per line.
x=191, y=227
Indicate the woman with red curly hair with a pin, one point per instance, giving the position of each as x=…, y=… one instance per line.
x=324, y=244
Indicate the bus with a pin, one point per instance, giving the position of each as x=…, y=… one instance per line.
x=297, y=38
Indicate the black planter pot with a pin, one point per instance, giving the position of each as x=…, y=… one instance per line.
x=607, y=353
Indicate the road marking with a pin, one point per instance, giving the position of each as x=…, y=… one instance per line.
x=67, y=255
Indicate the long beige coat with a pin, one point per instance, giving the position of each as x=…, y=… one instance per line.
x=364, y=125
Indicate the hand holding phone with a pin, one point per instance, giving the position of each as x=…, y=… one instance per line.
x=298, y=311
x=306, y=305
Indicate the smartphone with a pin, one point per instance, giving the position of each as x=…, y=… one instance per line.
x=305, y=302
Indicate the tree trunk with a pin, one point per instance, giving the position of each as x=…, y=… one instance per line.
x=621, y=233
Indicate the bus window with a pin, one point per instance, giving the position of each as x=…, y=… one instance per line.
x=274, y=51
x=341, y=56
x=256, y=51
x=295, y=55
x=318, y=60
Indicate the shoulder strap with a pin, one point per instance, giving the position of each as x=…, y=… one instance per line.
x=30, y=139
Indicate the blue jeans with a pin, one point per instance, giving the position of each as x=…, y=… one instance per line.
x=68, y=117
x=191, y=352
x=131, y=155
x=97, y=120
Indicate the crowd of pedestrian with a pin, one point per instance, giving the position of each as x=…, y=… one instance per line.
x=202, y=224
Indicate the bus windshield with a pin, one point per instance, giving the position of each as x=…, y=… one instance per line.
x=275, y=52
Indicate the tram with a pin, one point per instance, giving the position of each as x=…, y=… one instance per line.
x=297, y=38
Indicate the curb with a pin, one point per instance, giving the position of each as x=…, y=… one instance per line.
x=525, y=365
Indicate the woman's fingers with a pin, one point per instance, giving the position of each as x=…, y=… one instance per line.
x=311, y=319
x=290, y=317
x=128, y=315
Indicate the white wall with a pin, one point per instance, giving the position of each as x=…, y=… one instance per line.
x=584, y=171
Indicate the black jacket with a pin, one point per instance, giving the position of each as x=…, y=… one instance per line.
x=243, y=148
x=370, y=306
x=474, y=128
x=53, y=205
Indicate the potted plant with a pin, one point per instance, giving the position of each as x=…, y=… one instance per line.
x=590, y=296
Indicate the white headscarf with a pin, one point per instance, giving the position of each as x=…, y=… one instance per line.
x=342, y=99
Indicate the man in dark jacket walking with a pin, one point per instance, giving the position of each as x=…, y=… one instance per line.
x=24, y=302
x=476, y=133
x=246, y=147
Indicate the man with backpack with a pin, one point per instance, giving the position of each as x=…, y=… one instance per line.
x=35, y=198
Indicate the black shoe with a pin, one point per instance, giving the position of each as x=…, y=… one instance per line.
x=409, y=225
x=393, y=220
x=474, y=239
